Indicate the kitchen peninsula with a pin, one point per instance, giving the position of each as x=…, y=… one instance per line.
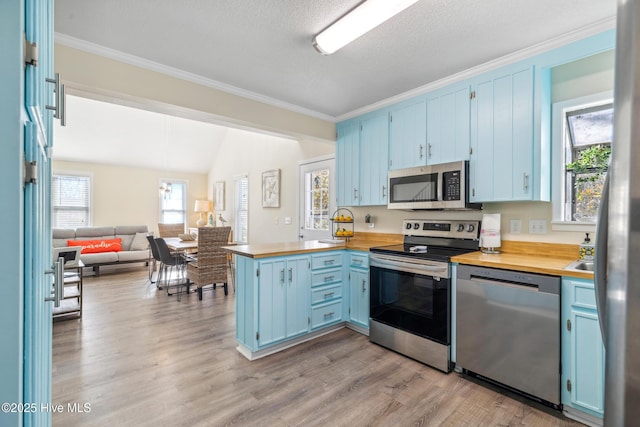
x=288, y=293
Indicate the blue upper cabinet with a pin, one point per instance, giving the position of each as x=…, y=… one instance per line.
x=502, y=137
x=362, y=155
x=448, y=120
x=408, y=134
x=374, y=158
x=347, y=163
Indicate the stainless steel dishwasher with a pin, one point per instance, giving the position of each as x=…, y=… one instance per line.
x=508, y=329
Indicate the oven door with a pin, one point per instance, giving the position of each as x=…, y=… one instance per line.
x=412, y=295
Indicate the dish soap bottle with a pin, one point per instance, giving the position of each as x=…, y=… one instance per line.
x=587, y=249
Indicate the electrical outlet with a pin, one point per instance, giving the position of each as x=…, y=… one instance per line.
x=516, y=226
x=372, y=225
x=287, y=220
x=537, y=226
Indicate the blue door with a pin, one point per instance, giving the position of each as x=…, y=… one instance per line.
x=25, y=344
x=38, y=136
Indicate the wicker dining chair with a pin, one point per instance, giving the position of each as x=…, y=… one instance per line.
x=211, y=265
x=170, y=230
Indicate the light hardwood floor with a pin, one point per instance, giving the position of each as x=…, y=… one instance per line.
x=141, y=358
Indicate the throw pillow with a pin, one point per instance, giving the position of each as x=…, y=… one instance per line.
x=140, y=242
x=97, y=246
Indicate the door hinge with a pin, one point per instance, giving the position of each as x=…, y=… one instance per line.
x=309, y=263
x=308, y=320
x=30, y=52
x=568, y=385
x=361, y=128
x=257, y=336
x=391, y=118
x=470, y=150
x=349, y=310
x=30, y=172
x=568, y=324
x=472, y=94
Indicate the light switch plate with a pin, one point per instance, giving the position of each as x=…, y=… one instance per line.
x=516, y=226
x=287, y=220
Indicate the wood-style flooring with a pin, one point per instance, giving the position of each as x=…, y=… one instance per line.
x=141, y=358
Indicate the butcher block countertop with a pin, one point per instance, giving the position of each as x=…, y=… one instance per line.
x=533, y=257
x=361, y=242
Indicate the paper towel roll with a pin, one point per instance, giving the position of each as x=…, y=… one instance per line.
x=490, y=231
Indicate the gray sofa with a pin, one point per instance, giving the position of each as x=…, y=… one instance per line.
x=130, y=234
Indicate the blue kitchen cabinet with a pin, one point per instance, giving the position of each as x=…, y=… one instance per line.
x=283, y=299
x=326, y=288
x=359, y=289
x=362, y=155
x=583, y=354
x=408, y=134
x=448, y=124
x=502, y=135
x=374, y=159
x=347, y=163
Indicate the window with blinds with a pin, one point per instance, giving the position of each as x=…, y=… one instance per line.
x=241, y=220
x=173, y=203
x=70, y=200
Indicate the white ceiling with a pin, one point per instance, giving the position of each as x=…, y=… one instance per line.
x=262, y=49
x=102, y=132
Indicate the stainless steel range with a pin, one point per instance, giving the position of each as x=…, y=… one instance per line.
x=410, y=303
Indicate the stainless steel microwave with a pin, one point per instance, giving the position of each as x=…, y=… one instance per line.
x=442, y=186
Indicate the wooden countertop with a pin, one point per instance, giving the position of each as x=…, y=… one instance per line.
x=544, y=258
x=360, y=242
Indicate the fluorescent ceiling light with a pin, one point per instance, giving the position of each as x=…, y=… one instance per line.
x=365, y=17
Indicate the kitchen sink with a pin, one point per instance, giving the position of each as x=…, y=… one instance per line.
x=580, y=265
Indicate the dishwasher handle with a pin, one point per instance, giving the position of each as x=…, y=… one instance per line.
x=520, y=286
x=535, y=282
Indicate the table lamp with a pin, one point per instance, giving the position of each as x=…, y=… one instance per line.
x=202, y=207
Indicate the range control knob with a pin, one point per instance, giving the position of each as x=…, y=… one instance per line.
x=408, y=226
x=470, y=227
x=416, y=226
x=460, y=228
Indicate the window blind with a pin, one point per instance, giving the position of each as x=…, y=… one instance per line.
x=173, y=205
x=70, y=200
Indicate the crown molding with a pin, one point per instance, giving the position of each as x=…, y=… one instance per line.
x=126, y=58
x=567, y=38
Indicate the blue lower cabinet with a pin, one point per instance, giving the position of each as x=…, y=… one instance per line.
x=583, y=355
x=326, y=314
x=283, y=295
x=326, y=288
x=359, y=289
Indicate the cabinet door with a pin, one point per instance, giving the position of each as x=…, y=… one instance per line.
x=347, y=163
x=502, y=137
x=298, y=296
x=272, y=302
x=583, y=357
x=374, y=160
x=408, y=135
x=359, y=303
x=448, y=121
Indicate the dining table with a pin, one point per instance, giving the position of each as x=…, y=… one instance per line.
x=175, y=244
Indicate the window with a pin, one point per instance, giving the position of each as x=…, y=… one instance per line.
x=241, y=208
x=585, y=130
x=70, y=200
x=173, y=202
x=316, y=200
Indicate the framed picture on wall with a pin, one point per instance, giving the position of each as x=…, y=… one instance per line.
x=218, y=196
x=271, y=189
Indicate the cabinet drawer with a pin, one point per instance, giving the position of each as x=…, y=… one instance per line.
x=326, y=314
x=325, y=277
x=326, y=260
x=326, y=293
x=360, y=260
x=584, y=295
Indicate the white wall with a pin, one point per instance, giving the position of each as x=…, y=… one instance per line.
x=130, y=196
x=252, y=153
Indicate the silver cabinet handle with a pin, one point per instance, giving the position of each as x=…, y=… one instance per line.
x=327, y=315
x=329, y=261
x=384, y=191
x=58, y=282
x=600, y=273
x=290, y=275
x=421, y=148
x=429, y=150
x=328, y=278
x=282, y=275
x=525, y=181
x=364, y=282
x=328, y=295
x=58, y=92
x=355, y=194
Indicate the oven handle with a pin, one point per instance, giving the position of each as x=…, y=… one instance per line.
x=410, y=267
